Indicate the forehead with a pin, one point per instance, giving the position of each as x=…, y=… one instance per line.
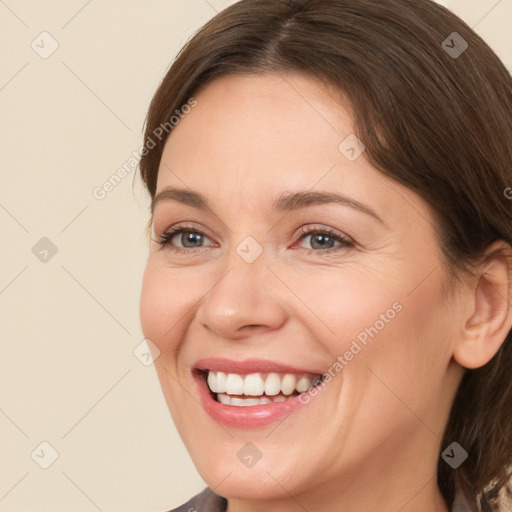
x=259, y=126
x=251, y=138
x=259, y=115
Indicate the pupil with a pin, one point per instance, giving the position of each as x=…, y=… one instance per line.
x=191, y=238
x=322, y=239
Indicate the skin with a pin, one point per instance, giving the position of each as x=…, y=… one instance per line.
x=371, y=437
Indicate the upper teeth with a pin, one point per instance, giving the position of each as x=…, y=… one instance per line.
x=257, y=384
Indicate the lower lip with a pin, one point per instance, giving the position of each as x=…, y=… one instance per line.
x=244, y=417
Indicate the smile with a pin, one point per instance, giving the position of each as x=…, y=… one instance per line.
x=250, y=393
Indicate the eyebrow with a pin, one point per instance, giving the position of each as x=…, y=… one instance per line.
x=288, y=201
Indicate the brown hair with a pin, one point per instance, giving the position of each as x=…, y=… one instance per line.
x=437, y=122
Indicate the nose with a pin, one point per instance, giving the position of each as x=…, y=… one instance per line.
x=245, y=301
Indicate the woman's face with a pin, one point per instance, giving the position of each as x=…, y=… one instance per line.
x=298, y=259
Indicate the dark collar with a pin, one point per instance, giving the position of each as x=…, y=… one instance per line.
x=207, y=501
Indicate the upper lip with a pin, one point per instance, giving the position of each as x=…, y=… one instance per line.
x=249, y=366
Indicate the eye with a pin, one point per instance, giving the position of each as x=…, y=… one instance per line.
x=324, y=239
x=182, y=237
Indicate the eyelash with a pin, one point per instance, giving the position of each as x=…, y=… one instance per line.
x=166, y=237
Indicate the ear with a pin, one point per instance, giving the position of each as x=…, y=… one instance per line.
x=489, y=318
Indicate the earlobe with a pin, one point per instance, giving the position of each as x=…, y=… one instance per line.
x=490, y=319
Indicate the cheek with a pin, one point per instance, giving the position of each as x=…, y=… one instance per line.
x=345, y=305
x=163, y=307
x=151, y=306
x=405, y=363
x=372, y=320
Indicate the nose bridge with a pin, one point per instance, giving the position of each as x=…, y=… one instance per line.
x=243, y=296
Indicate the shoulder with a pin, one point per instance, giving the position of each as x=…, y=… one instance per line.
x=206, y=501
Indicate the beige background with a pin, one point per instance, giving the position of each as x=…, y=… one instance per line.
x=69, y=325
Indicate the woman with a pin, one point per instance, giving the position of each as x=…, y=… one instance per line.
x=329, y=278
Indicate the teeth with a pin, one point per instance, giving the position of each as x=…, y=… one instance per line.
x=234, y=384
x=253, y=385
x=217, y=382
x=288, y=384
x=221, y=382
x=303, y=384
x=258, y=385
x=272, y=384
x=224, y=399
x=246, y=402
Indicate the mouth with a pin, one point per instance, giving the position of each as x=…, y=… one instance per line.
x=251, y=393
